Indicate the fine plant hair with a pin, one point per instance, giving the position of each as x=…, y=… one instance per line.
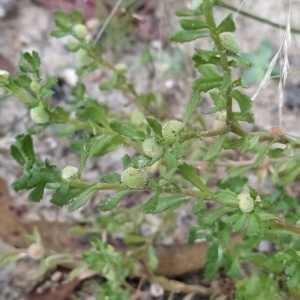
x=174, y=149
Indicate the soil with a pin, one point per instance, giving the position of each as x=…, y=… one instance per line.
x=27, y=26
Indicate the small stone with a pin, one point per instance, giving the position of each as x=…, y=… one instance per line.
x=156, y=290
x=36, y=251
x=56, y=276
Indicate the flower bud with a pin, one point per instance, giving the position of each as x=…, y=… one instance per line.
x=152, y=148
x=246, y=203
x=69, y=172
x=134, y=178
x=35, y=86
x=80, y=31
x=221, y=115
x=39, y=114
x=230, y=42
x=171, y=129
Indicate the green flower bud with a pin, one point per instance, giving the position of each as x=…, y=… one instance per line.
x=80, y=31
x=83, y=58
x=4, y=74
x=246, y=203
x=219, y=124
x=230, y=42
x=69, y=172
x=152, y=148
x=171, y=129
x=134, y=178
x=35, y=86
x=39, y=114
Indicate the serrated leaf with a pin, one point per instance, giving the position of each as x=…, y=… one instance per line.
x=26, y=146
x=198, y=206
x=189, y=173
x=155, y=126
x=217, y=98
x=255, y=225
x=211, y=262
x=140, y=161
x=227, y=197
x=240, y=223
x=85, y=151
x=82, y=198
x=208, y=70
x=110, y=178
x=263, y=152
x=192, y=24
x=209, y=217
x=170, y=160
x=227, y=25
x=112, y=201
x=293, y=281
x=126, y=161
x=184, y=36
x=226, y=83
x=37, y=128
x=245, y=102
x=169, y=202
x=242, y=62
x=150, y=206
x=178, y=149
x=206, y=55
x=127, y=129
x=215, y=148
x=17, y=155
x=152, y=258
x=37, y=193
x=235, y=269
x=64, y=194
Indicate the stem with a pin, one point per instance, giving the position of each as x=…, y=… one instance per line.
x=253, y=17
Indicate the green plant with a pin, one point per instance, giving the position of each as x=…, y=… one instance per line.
x=238, y=206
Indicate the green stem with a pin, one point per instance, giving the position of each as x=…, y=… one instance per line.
x=21, y=94
x=253, y=17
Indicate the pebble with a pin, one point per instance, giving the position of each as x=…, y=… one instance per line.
x=56, y=276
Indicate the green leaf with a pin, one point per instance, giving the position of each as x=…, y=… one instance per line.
x=155, y=126
x=263, y=152
x=240, y=223
x=26, y=146
x=255, y=225
x=63, y=194
x=198, y=206
x=127, y=129
x=178, y=149
x=17, y=155
x=184, y=36
x=243, y=62
x=152, y=258
x=245, y=102
x=191, y=175
x=226, y=83
x=140, y=161
x=82, y=198
x=235, y=269
x=208, y=70
x=290, y=175
x=150, y=206
x=62, y=130
x=192, y=24
x=227, y=25
x=169, y=202
x=22, y=81
x=106, y=144
x=227, y=197
x=112, y=201
x=126, y=161
x=184, y=13
x=171, y=161
x=73, y=46
x=209, y=217
x=110, y=178
x=212, y=262
x=218, y=99
x=85, y=151
x=38, y=192
x=215, y=148
x=206, y=55
x=293, y=281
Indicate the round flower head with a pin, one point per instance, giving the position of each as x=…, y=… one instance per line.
x=246, y=203
x=69, y=172
x=80, y=31
x=171, y=129
x=230, y=42
x=152, y=148
x=134, y=178
x=39, y=114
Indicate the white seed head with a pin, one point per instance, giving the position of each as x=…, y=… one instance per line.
x=219, y=125
x=246, y=203
x=221, y=115
x=36, y=251
x=39, y=114
x=4, y=74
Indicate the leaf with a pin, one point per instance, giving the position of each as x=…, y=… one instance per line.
x=25, y=144
x=62, y=130
x=198, y=206
x=184, y=13
x=126, y=161
x=150, y=206
x=199, y=85
x=192, y=24
x=127, y=129
x=208, y=70
x=240, y=223
x=243, y=62
x=38, y=192
x=218, y=98
x=211, y=262
x=169, y=202
x=85, y=151
x=290, y=175
x=110, y=178
x=112, y=201
x=17, y=155
x=191, y=175
x=171, y=161
x=226, y=83
x=227, y=197
x=152, y=258
x=255, y=225
x=245, y=102
x=82, y=198
x=63, y=194
x=155, y=126
x=235, y=269
x=209, y=217
x=206, y=55
x=227, y=25
x=263, y=152
x=184, y=36
x=215, y=148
